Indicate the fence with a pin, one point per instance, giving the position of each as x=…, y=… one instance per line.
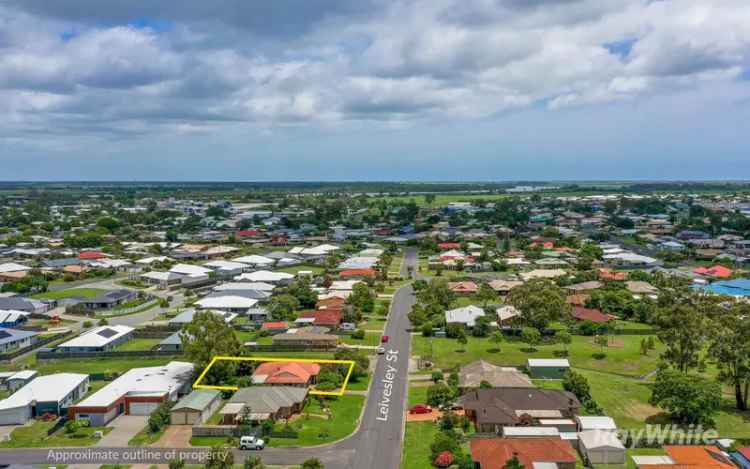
x=216, y=430
x=52, y=355
x=155, y=332
x=39, y=343
x=290, y=348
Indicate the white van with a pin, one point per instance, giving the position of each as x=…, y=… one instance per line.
x=251, y=442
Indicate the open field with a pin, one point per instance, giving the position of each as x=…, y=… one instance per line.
x=622, y=357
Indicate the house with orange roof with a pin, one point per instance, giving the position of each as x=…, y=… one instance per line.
x=717, y=271
x=463, y=288
x=578, y=299
x=333, y=302
x=580, y=313
x=288, y=374
x=609, y=274
x=693, y=457
x=324, y=318
x=494, y=453
x=449, y=246
x=358, y=273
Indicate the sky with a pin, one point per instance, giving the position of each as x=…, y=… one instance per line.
x=469, y=90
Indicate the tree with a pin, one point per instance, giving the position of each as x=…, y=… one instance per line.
x=207, y=336
x=730, y=348
x=564, y=338
x=513, y=463
x=429, y=198
x=219, y=458
x=253, y=462
x=578, y=385
x=683, y=329
x=485, y=294
x=689, y=399
x=313, y=463
x=540, y=301
x=531, y=337
x=176, y=464
x=462, y=340
x=439, y=394
x=497, y=339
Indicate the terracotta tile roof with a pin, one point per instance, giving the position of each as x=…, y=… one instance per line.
x=358, y=273
x=588, y=314
x=608, y=274
x=326, y=317
x=91, y=255
x=274, y=325
x=463, y=286
x=446, y=246
x=330, y=302
x=697, y=456
x=717, y=271
x=494, y=453
x=287, y=373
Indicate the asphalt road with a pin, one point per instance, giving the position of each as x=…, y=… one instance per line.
x=376, y=444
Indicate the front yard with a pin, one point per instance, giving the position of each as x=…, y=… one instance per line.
x=34, y=435
x=417, y=440
x=314, y=428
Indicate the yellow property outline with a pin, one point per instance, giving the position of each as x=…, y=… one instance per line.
x=197, y=385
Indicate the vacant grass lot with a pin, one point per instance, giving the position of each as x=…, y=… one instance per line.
x=371, y=339
x=417, y=441
x=626, y=401
x=34, y=435
x=316, y=430
x=138, y=343
x=89, y=366
x=622, y=356
x=69, y=293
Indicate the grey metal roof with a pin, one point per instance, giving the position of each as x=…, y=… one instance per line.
x=270, y=399
x=199, y=399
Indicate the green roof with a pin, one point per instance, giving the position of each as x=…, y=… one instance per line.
x=199, y=399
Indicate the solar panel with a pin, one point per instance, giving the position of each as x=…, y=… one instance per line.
x=107, y=333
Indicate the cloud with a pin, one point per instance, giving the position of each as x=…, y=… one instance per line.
x=82, y=67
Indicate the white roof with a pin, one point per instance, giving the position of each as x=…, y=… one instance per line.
x=648, y=460
x=511, y=432
x=260, y=286
x=507, y=312
x=543, y=465
x=254, y=260
x=343, y=284
x=153, y=380
x=466, y=315
x=110, y=263
x=265, y=276
x=595, y=423
x=320, y=250
x=630, y=258
x=225, y=265
x=556, y=422
x=558, y=362
x=49, y=388
x=13, y=267
x=600, y=439
x=156, y=275
x=11, y=315
x=229, y=301
x=98, y=336
x=189, y=269
x=150, y=260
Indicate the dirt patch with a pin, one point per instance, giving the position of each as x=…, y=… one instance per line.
x=611, y=342
x=431, y=417
x=640, y=410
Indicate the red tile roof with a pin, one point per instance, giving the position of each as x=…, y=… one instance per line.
x=327, y=317
x=587, y=314
x=273, y=325
x=358, y=273
x=447, y=246
x=744, y=452
x=463, y=286
x=717, y=271
x=608, y=274
x=89, y=255
x=697, y=456
x=287, y=373
x=494, y=453
x=248, y=233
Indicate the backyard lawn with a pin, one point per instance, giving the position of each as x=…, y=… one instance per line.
x=89, y=366
x=622, y=356
x=138, y=343
x=69, y=293
x=417, y=441
x=34, y=435
x=316, y=429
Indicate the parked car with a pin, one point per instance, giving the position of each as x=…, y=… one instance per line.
x=384, y=339
x=381, y=350
x=252, y=443
x=420, y=409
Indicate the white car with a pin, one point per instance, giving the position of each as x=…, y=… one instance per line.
x=251, y=442
x=381, y=350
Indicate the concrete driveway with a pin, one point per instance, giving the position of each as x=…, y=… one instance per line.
x=7, y=430
x=175, y=436
x=124, y=429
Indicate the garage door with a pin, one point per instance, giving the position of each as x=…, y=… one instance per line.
x=178, y=418
x=16, y=416
x=143, y=408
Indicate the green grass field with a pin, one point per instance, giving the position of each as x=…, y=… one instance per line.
x=89, y=366
x=314, y=430
x=417, y=395
x=417, y=441
x=371, y=339
x=138, y=344
x=69, y=293
x=623, y=356
x=315, y=269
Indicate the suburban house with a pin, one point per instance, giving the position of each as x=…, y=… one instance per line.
x=12, y=318
x=266, y=276
x=195, y=408
x=98, y=339
x=11, y=272
x=504, y=286
x=162, y=279
x=532, y=453
x=14, y=380
x=717, y=271
x=137, y=392
x=27, y=305
x=172, y=343
x=274, y=327
x=690, y=456
x=187, y=316
x=111, y=299
x=288, y=374
x=507, y=314
x=463, y=288
x=474, y=374
x=324, y=318
x=227, y=302
x=547, y=368
x=12, y=339
x=466, y=315
x=304, y=338
x=494, y=408
x=50, y=394
x=580, y=313
x=264, y=403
